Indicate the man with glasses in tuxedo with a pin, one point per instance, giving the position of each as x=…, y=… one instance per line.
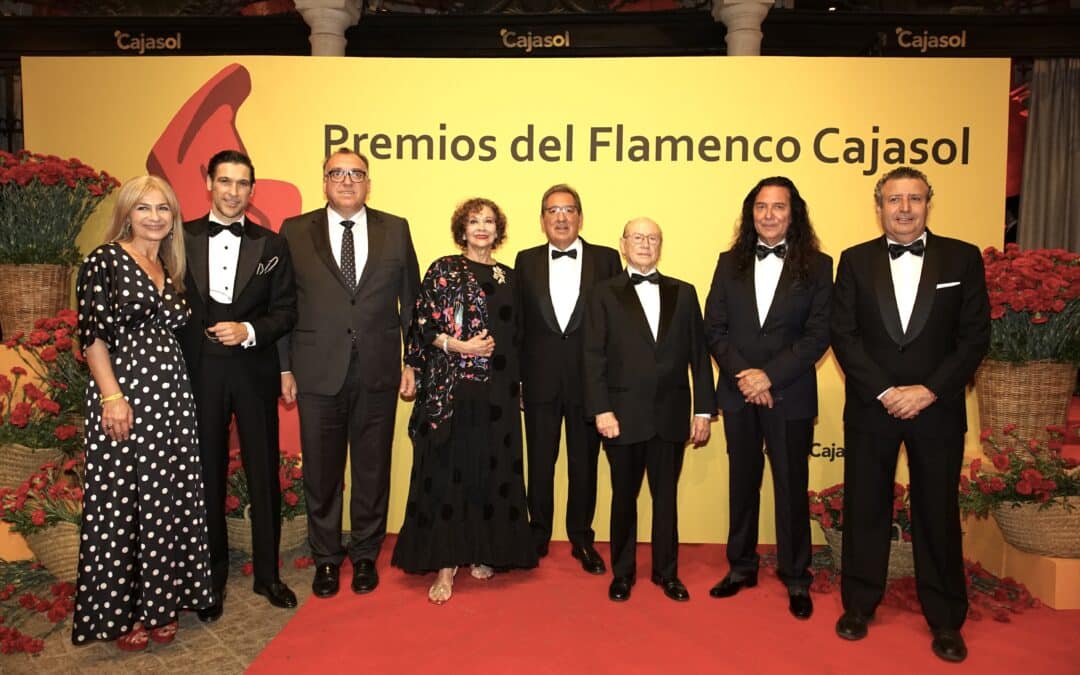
x=357, y=279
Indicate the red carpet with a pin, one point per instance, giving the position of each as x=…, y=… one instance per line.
x=557, y=619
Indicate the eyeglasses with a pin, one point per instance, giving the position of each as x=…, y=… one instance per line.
x=555, y=210
x=338, y=175
x=652, y=239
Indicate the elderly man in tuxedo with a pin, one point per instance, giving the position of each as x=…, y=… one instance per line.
x=910, y=324
x=767, y=324
x=644, y=341
x=240, y=289
x=356, y=279
x=553, y=281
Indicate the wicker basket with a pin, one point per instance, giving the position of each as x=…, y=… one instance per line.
x=17, y=462
x=293, y=533
x=1031, y=395
x=1053, y=532
x=32, y=292
x=57, y=548
x=901, y=559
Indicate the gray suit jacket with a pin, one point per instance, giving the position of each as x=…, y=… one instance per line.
x=375, y=315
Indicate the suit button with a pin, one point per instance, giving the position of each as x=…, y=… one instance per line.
x=352, y=302
x=349, y=331
x=565, y=336
x=900, y=349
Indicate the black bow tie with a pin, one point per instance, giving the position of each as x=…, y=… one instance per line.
x=763, y=251
x=653, y=278
x=572, y=253
x=236, y=228
x=914, y=248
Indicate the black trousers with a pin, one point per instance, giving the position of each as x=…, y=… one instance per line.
x=543, y=425
x=662, y=461
x=359, y=424
x=869, y=468
x=226, y=386
x=788, y=446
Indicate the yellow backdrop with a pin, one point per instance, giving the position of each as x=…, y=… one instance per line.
x=832, y=125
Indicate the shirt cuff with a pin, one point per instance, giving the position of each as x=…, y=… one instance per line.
x=883, y=393
x=705, y=415
x=250, y=341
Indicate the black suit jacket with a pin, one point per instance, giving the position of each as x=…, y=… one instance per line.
x=377, y=313
x=644, y=381
x=544, y=344
x=786, y=346
x=947, y=336
x=264, y=295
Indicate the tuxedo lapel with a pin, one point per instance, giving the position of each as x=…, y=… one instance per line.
x=251, y=249
x=376, y=234
x=588, y=279
x=928, y=280
x=198, y=254
x=320, y=241
x=669, y=296
x=631, y=304
x=886, y=294
x=539, y=271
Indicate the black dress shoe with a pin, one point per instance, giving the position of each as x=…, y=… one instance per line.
x=800, y=605
x=364, y=576
x=852, y=625
x=214, y=611
x=673, y=588
x=949, y=645
x=619, y=590
x=591, y=561
x=729, y=585
x=277, y=593
x=325, y=584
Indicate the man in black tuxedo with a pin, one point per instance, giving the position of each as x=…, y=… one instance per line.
x=767, y=324
x=552, y=281
x=240, y=289
x=357, y=279
x=910, y=324
x=643, y=331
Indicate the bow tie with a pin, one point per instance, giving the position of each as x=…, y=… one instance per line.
x=763, y=251
x=653, y=278
x=914, y=248
x=236, y=228
x=572, y=253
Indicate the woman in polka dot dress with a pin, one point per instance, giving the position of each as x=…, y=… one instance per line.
x=466, y=502
x=143, y=554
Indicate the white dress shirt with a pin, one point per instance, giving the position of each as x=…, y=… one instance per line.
x=564, y=282
x=906, y=273
x=222, y=258
x=766, y=277
x=359, y=236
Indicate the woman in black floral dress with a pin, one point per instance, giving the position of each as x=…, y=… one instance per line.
x=466, y=502
x=143, y=554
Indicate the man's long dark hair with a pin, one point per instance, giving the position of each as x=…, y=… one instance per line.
x=801, y=239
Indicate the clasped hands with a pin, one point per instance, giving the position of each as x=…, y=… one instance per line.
x=228, y=333
x=905, y=402
x=754, y=385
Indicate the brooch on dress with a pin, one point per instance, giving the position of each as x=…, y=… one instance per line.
x=500, y=276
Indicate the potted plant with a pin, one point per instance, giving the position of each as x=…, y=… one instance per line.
x=827, y=507
x=44, y=202
x=238, y=502
x=46, y=509
x=32, y=430
x=51, y=351
x=1031, y=489
x=1029, y=373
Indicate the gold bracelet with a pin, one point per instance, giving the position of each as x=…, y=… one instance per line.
x=113, y=397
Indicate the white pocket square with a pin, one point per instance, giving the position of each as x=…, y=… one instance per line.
x=948, y=284
x=270, y=264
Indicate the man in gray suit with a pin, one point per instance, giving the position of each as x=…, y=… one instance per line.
x=356, y=281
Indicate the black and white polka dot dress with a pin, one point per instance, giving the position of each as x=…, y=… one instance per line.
x=143, y=554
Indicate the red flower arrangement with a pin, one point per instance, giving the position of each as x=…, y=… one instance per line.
x=1019, y=471
x=33, y=418
x=290, y=477
x=44, y=201
x=1034, y=306
x=51, y=351
x=827, y=507
x=49, y=496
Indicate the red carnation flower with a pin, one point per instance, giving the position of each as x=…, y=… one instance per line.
x=232, y=502
x=49, y=354
x=38, y=517
x=291, y=498
x=1001, y=462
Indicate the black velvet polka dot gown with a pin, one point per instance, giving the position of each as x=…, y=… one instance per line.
x=466, y=500
x=143, y=553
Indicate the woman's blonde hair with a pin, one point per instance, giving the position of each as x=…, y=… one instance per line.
x=172, y=247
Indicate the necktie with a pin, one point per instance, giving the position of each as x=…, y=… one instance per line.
x=914, y=248
x=653, y=278
x=348, y=254
x=215, y=229
x=572, y=253
x=763, y=251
